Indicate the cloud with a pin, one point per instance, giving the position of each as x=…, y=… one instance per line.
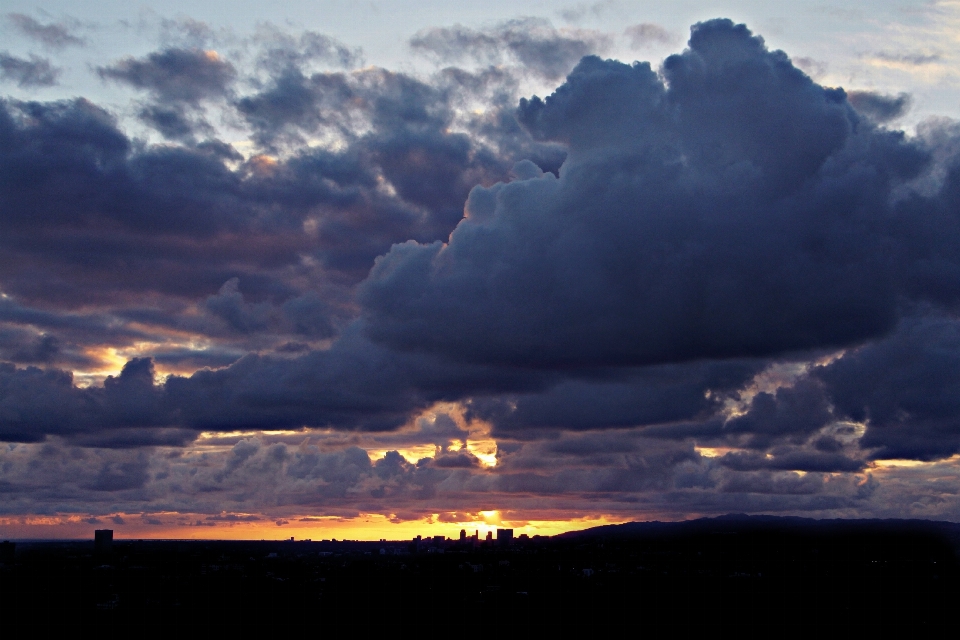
x=458, y=460
x=577, y=12
x=881, y=108
x=904, y=388
x=641, y=397
x=712, y=286
x=814, y=68
x=18, y=345
x=182, y=210
x=722, y=214
x=531, y=42
x=172, y=123
x=281, y=51
x=187, y=32
x=35, y=72
x=912, y=58
x=793, y=461
x=793, y=412
x=175, y=75
x=646, y=34
x=35, y=403
x=353, y=385
x=53, y=35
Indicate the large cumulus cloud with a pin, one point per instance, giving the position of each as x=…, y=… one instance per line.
x=734, y=208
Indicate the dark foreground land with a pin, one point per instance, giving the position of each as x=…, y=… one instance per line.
x=771, y=576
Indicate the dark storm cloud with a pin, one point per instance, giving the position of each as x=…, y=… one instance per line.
x=905, y=388
x=456, y=460
x=353, y=385
x=69, y=177
x=120, y=476
x=306, y=315
x=172, y=123
x=408, y=145
x=17, y=345
x=544, y=469
x=68, y=164
x=532, y=42
x=57, y=473
x=880, y=107
x=809, y=461
x=294, y=102
x=727, y=213
x=53, y=35
x=35, y=403
x=179, y=220
x=62, y=348
x=99, y=328
x=793, y=413
x=765, y=482
x=211, y=358
x=643, y=397
x=175, y=75
x=35, y=72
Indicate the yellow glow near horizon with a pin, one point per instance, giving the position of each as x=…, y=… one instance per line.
x=897, y=462
x=370, y=527
x=713, y=452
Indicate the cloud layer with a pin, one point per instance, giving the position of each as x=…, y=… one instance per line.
x=713, y=286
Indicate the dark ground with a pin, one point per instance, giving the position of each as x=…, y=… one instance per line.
x=774, y=577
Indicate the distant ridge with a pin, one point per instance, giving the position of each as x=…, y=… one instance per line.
x=743, y=523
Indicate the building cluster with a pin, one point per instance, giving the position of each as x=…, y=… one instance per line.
x=438, y=544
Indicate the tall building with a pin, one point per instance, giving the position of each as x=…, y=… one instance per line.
x=103, y=540
x=463, y=535
x=504, y=537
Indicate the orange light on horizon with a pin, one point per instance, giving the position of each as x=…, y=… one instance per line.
x=367, y=527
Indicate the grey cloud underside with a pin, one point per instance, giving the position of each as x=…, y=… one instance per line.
x=175, y=75
x=255, y=475
x=881, y=108
x=91, y=216
x=281, y=51
x=53, y=35
x=35, y=72
x=354, y=385
x=600, y=275
x=532, y=42
x=620, y=399
x=905, y=388
x=646, y=34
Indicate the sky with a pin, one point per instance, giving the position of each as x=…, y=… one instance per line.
x=396, y=269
